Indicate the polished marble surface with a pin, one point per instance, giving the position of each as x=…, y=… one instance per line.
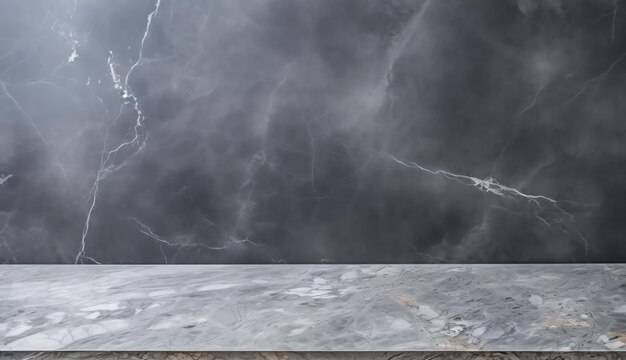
x=299, y=131
x=315, y=356
x=313, y=307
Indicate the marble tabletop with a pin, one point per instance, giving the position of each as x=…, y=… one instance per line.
x=316, y=355
x=325, y=307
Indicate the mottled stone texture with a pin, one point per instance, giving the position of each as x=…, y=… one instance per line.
x=299, y=131
x=314, y=356
x=313, y=307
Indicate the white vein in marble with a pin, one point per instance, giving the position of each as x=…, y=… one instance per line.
x=313, y=307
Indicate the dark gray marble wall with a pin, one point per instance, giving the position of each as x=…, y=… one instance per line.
x=312, y=131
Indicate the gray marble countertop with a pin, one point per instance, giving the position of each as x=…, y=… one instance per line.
x=316, y=355
x=313, y=307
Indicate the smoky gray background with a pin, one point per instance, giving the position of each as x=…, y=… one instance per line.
x=270, y=131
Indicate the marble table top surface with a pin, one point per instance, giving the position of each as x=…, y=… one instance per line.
x=313, y=307
x=315, y=355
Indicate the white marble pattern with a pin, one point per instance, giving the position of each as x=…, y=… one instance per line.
x=239, y=355
x=313, y=307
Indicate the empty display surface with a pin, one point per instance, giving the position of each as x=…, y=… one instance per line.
x=559, y=307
